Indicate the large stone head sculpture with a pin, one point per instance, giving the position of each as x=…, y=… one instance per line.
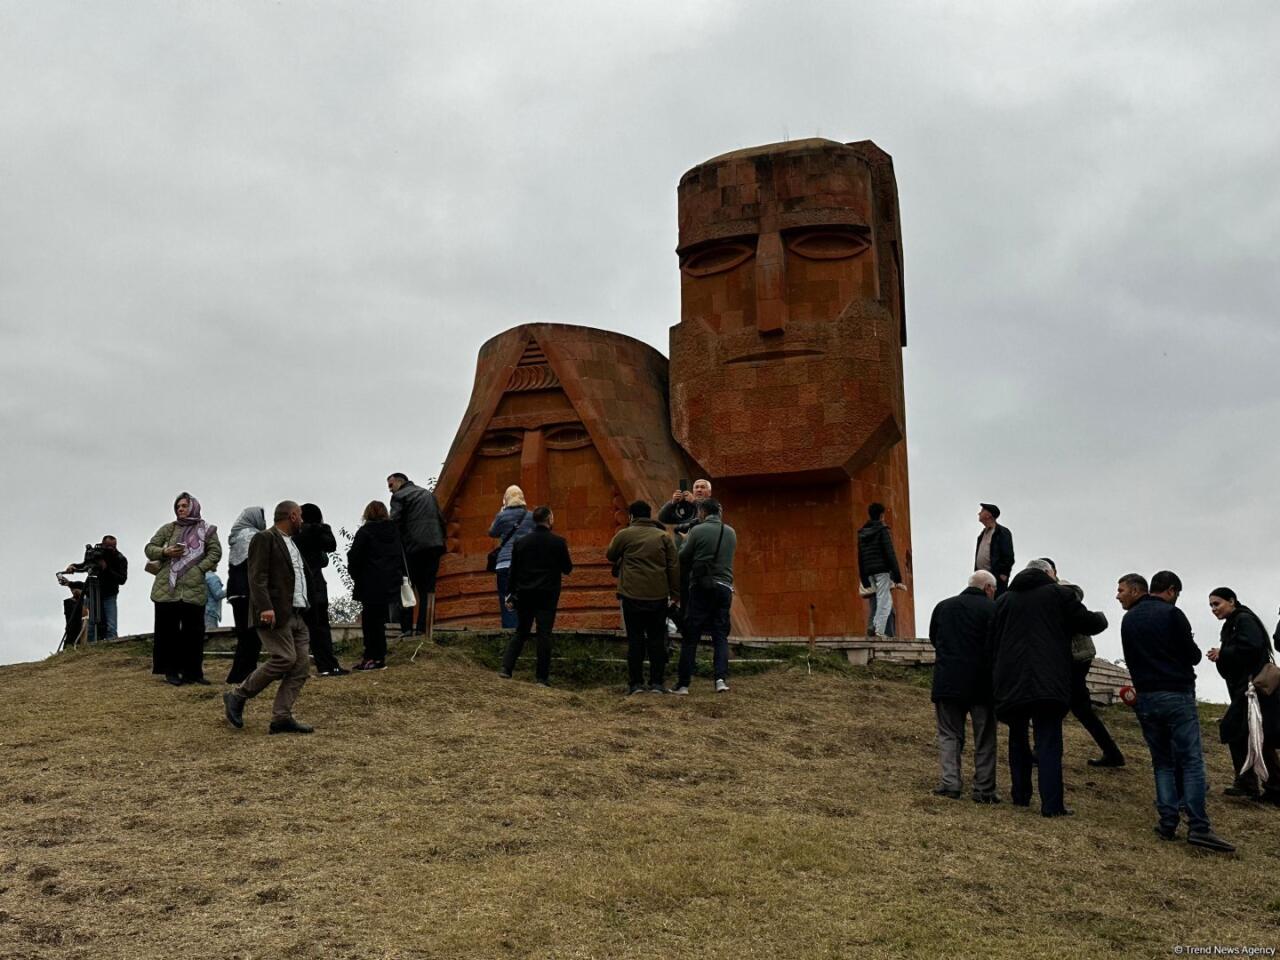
x=787, y=358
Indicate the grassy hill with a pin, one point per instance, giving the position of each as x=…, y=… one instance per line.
x=439, y=811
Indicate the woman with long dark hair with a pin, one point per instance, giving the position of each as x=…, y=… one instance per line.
x=183, y=550
x=251, y=522
x=377, y=566
x=1244, y=650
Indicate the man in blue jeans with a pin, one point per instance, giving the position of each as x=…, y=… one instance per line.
x=1161, y=653
x=707, y=554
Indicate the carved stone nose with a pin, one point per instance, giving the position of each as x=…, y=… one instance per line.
x=771, y=284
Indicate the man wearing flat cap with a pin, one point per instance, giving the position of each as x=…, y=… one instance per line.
x=995, y=547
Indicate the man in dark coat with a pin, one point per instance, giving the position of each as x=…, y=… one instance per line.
x=878, y=566
x=1031, y=650
x=538, y=561
x=995, y=547
x=959, y=630
x=416, y=514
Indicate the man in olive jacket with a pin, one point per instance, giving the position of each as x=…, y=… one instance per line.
x=1031, y=650
x=648, y=573
x=278, y=605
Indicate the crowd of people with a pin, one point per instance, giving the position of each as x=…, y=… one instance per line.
x=1010, y=649
x=1016, y=649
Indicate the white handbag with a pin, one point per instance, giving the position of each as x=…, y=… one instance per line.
x=407, y=598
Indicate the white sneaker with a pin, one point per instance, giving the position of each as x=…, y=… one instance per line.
x=681, y=691
x=722, y=686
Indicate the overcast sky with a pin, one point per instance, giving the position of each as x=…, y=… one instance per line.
x=251, y=249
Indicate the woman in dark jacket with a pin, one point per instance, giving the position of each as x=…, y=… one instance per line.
x=251, y=522
x=513, y=521
x=376, y=564
x=1245, y=648
x=315, y=541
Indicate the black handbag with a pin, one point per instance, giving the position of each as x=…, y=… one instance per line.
x=491, y=562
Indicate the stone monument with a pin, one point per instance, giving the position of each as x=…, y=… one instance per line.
x=578, y=418
x=786, y=371
x=784, y=388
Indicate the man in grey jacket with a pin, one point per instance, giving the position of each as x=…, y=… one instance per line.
x=708, y=555
x=417, y=517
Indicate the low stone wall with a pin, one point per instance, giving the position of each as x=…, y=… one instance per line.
x=1105, y=678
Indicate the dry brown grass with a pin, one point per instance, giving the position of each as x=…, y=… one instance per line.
x=441, y=812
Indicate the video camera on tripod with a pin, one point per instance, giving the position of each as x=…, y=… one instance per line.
x=95, y=559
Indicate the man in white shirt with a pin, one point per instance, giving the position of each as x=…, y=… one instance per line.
x=277, y=604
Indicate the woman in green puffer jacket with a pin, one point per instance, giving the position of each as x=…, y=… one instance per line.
x=185, y=551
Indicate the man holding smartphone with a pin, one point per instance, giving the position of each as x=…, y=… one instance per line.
x=681, y=511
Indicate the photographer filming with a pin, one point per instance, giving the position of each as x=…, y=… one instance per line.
x=106, y=568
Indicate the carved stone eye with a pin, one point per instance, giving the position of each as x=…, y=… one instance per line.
x=828, y=244
x=500, y=444
x=568, y=438
x=716, y=258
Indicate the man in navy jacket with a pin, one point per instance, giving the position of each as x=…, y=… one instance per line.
x=1161, y=653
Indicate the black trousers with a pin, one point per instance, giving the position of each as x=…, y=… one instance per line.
x=179, y=645
x=646, y=623
x=531, y=606
x=1270, y=756
x=1047, y=724
x=708, y=610
x=317, y=617
x=1082, y=710
x=248, y=643
x=373, y=625
x=424, y=565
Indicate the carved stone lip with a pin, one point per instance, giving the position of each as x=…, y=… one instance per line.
x=780, y=354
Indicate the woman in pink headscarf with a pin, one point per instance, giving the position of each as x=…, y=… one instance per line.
x=182, y=552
